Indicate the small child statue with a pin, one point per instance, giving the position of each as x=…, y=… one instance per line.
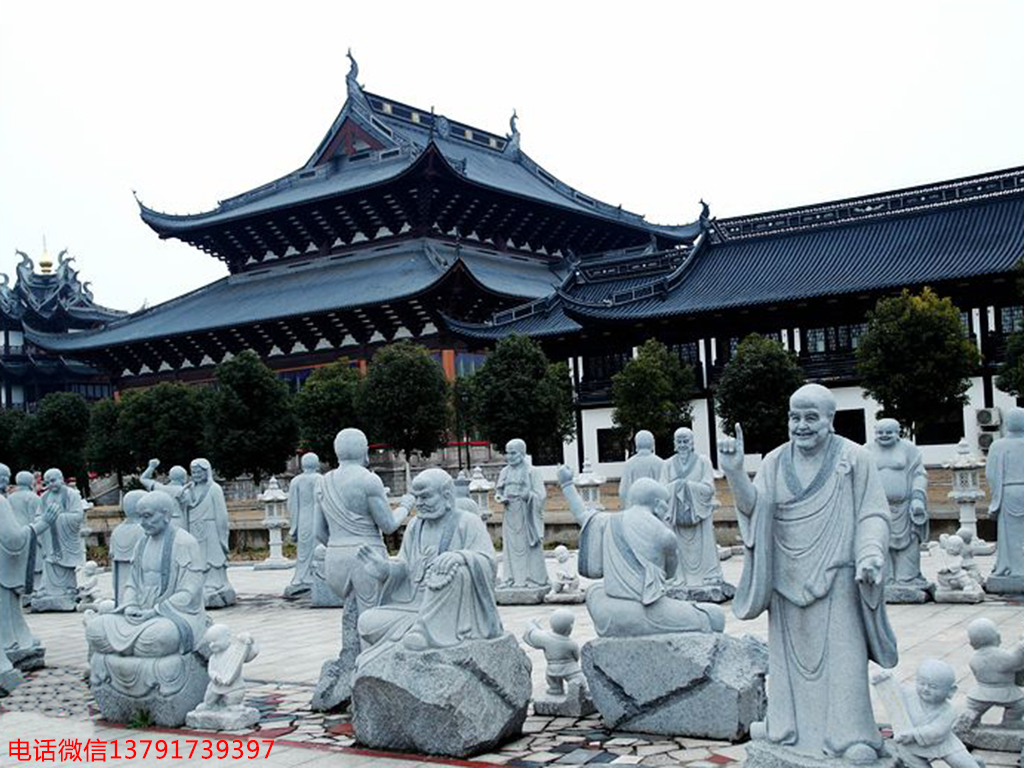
x=967, y=556
x=88, y=589
x=995, y=673
x=567, y=694
x=924, y=717
x=957, y=584
x=222, y=708
x=565, y=588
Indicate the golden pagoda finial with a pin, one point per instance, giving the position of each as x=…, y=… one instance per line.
x=45, y=262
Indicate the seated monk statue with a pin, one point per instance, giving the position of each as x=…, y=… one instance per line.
x=636, y=556
x=162, y=613
x=439, y=591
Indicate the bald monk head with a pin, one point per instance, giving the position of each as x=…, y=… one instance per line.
x=434, y=490
x=350, y=445
x=811, y=410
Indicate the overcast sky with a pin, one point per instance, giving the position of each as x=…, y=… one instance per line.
x=752, y=106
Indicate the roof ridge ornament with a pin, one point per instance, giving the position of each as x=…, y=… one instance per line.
x=355, y=90
x=512, y=145
x=705, y=215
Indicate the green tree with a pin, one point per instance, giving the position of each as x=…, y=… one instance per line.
x=163, y=422
x=14, y=439
x=520, y=393
x=106, y=449
x=325, y=405
x=250, y=424
x=1011, y=372
x=404, y=401
x=754, y=391
x=653, y=392
x=915, y=359
x=57, y=433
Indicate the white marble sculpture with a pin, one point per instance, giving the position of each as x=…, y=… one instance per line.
x=567, y=694
x=634, y=553
x=644, y=463
x=177, y=478
x=302, y=493
x=63, y=546
x=815, y=528
x=957, y=583
x=206, y=513
x=18, y=550
x=520, y=489
x=923, y=716
x=142, y=653
x=691, y=508
x=89, y=585
x=223, y=708
x=25, y=504
x=997, y=672
x=123, y=542
x=1004, y=472
x=352, y=512
x=565, y=587
x=905, y=480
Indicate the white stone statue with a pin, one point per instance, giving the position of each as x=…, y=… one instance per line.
x=439, y=591
x=644, y=463
x=923, y=717
x=815, y=528
x=997, y=672
x=905, y=480
x=691, y=508
x=1004, y=472
x=565, y=587
x=142, y=652
x=222, y=708
x=957, y=582
x=25, y=504
x=17, y=553
x=174, y=487
x=302, y=494
x=520, y=489
x=89, y=585
x=352, y=512
x=123, y=542
x=206, y=513
x=567, y=694
x=62, y=545
x=635, y=555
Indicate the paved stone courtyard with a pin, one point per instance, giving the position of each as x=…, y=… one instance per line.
x=54, y=703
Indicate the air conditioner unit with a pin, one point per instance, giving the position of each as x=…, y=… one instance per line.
x=988, y=417
x=985, y=440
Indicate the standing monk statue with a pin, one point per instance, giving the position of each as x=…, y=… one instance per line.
x=174, y=487
x=352, y=512
x=815, y=527
x=644, y=463
x=63, y=546
x=1004, y=472
x=905, y=481
x=691, y=484
x=302, y=495
x=25, y=503
x=520, y=488
x=206, y=513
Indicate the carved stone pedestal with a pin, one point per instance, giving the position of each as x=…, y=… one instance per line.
x=908, y=594
x=705, y=685
x=969, y=596
x=762, y=754
x=706, y=593
x=574, y=597
x=1004, y=585
x=457, y=701
x=166, y=689
x=520, y=595
x=994, y=737
x=227, y=719
x=67, y=603
x=576, y=702
x=28, y=659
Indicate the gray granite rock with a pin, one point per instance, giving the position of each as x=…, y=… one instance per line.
x=564, y=598
x=28, y=659
x=959, y=596
x=705, y=685
x=230, y=719
x=707, y=593
x=575, y=703
x=521, y=595
x=456, y=701
x=905, y=594
x=995, y=737
x=63, y=603
x=322, y=596
x=166, y=707
x=334, y=688
x=1004, y=585
x=762, y=754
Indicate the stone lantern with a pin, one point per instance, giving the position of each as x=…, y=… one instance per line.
x=480, y=489
x=274, y=520
x=967, y=493
x=462, y=485
x=589, y=485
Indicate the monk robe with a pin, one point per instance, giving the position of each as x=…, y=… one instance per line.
x=904, y=478
x=302, y=492
x=691, y=486
x=207, y=515
x=25, y=504
x=522, y=527
x=638, y=466
x=17, y=569
x=635, y=554
x=802, y=546
x=1004, y=471
x=445, y=614
x=166, y=576
x=123, y=542
x=63, y=546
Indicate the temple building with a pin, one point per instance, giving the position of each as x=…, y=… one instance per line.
x=407, y=224
x=53, y=303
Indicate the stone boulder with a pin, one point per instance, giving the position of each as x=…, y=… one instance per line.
x=457, y=701
x=704, y=685
x=162, y=689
